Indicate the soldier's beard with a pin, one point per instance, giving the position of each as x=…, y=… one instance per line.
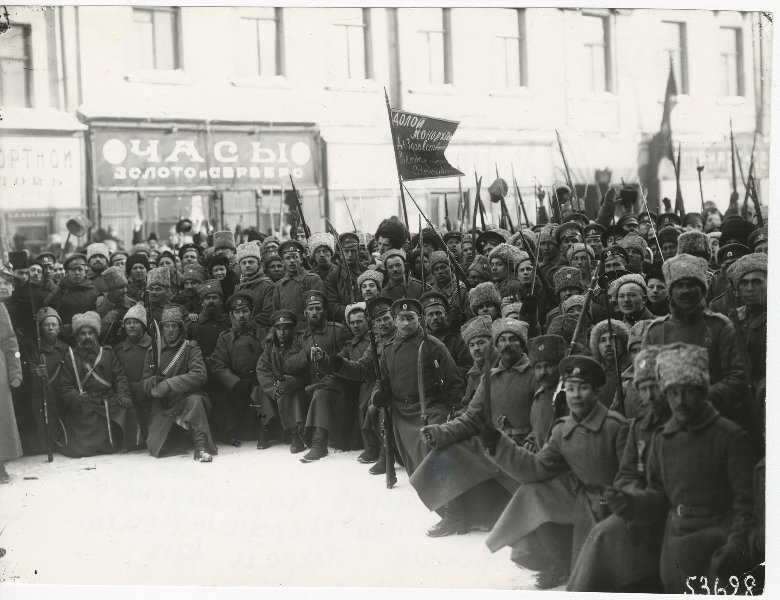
x=89, y=349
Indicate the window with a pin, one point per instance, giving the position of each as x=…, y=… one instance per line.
x=731, y=61
x=15, y=67
x=595, y=31
x=675, y=46
x=352, y=48
x=511, y=48
x=263, y=39
x=435, y=45
x=156, y=38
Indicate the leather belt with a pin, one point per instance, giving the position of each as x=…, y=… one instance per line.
x=697, y=511
x=415, y=398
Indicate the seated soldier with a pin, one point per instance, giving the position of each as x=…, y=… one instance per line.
x=132, y=352
x=618, y=556
x=99, y=418
x=478, y=336
x=699, y=479
x=173, y=378
x=563, y=483
x=455, y=479
x=282, y=372
x=605, y=343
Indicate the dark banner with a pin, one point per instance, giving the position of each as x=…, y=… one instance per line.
x=224, y=159
x=420, y=143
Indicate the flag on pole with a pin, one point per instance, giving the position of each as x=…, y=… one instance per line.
x=670, y=100
x=420, y=142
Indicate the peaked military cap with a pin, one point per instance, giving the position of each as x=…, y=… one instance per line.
x=284, y=317
x=406, y=305
x=349, y=238
x=732, y=252
x=378, y=306
x=452, y=235
x=291, y=246
x=585, y=368
x=667, y=219
x=432, y=298
x=626, y=219
x=614, y=252
x=594, y=229
x=240, y=300
x=314, y=296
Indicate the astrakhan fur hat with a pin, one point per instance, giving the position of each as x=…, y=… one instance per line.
x=685, y=266
x=87, y=319
x=620, y=330
x=484, y=293
x=644, y=365
x=248, y=250
x=682, y=364
x=319, y=239
x=479, y=326
x=695, y=243
x=746, y=264
x=509, y=325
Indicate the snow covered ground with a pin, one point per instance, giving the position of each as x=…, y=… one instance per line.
x=250, y=518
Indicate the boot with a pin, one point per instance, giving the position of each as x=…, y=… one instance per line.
x=201, y=443
x=380, y=467
x=296, y=443
x=4, y=476
x=452, y=522
x=550, y=578
x=319, y=445
x=368, y=455
x=262, y=439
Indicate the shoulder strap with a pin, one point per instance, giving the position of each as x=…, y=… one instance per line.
x=175, y=359
x=75, y=370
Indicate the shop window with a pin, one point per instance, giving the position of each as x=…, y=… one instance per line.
x=157, y=36
x=16, y=67
x=675, y=47
x=435, y=45
x=731, y=59
x=511, y=51
x=598, y=53
x=262, y=38
x=352, y=44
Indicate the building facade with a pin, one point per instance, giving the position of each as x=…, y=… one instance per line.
x=207, y=113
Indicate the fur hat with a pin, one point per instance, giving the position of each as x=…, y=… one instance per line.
x=136, y=259
x=759, y=235
x=746, y=264
x=248, y=250
x=143, y=247
x=546, y=347
x=172, y=314
x=638, y=331
x=508, y=253
x=393, y=252
x=271, y=239
x=564, y=326
x=633, y=241
x=394, y=230
x=481, y=265
x=361, y=306
x=735, y=229
x=87, y=319
x=620, y=329
x=685, y=266
x=567, y=277
x=547, y=233
x=509, y=325
x=668, y=234
x=510, y=308
x=575, y=300
x=615, y=286
x=370, y=274
x=579, y=247
x=114, y=277
x=98, y=250
x=158, y=276
x=193, y=272
x=479, y=326
x=322, y=239
x=484, y=293
x=682, y=364
x=695, y=243
x=436, y=257
x=224, y=239
x=137, y=312
x=271, y=258
x=45, y=313
x=644, y=364
x=210, y=286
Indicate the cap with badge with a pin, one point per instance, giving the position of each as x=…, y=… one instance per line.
x=758, y=236
x=240, y=300
x=567, y=229
x=593, y=230
x=284, y=317
x=349, y=238
x=434, y=298
x=46, y=257
x=627, y=219
x=579, y=367
x=314, y=297
x=406, y=305
x=492, y=236
x=667, y=219
x=551, y=348
x=211, y=286
x=452, y=235
x=188, y=247
x=378, y=306
x=614, y=252
x=731, y=252
x=291, y=246
x=172, y=314
x=567, y=277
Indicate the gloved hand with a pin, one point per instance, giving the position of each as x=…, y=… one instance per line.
x=427, y=435
x=621, y=503
x=731, y=559
x=243, y=387
x=125, y=401
x=610, y=196
x=490, y=437
x=529, y=443
x=380, y=399
x=160, y=390
x=529, y=306
x=193, y=317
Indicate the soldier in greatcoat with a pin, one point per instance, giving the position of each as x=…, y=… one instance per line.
x=132, y=352
x=174, y=379
x=113, y=305
x=341, y=286
x=289, y=290
x=255, y=283
x=435, y=311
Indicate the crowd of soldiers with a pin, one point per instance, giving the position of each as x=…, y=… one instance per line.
x=591, y=392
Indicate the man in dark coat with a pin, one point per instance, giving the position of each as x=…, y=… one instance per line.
x=74, y=294
x=98, y=256
x=174, y=380
x=545, y=353
x=699, y=479
x=256, y=284
x=398, y=283
x=399, y=388
x=455, y=292
x=133, y=352
x=455, y=479
x=95, y=390
x=341, y=287
x=233, y=364
x=437, y=320
x=290, y=289
x=113, y=305
x=136, y=268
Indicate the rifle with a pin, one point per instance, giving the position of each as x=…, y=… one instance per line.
x=566, y=166
x=447, y=222
x=621, y=402
x=478, y=202
x=558, y=397
x=733, y=151
x=387, y=430
x=154, y=334
x=486, y=381
x=300, y=210
x=44, y=380
x=343, y=262
x=349, y=212
x=652, y=225
x=542, y=218
x=699, y=169
x=520, y=199
x=461, y=206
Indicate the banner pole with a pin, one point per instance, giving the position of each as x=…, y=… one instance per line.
x=397, y=166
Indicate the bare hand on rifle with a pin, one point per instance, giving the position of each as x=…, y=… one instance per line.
x=427, y=436
x=490, y=437
x=318, y=354
x=16, y=382
x=160, y=390
x=40, y=371
x=621, y=503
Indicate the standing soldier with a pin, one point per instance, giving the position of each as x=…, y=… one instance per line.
x=504, y=259
x=282, y=371
x=342, y=286
x=399, y=283
x=437, y=320
x=370, y=284
x=545, y=353
x=98, y=256
x=113, y=305
x=211, y=320
x=289, y=290
x=322, y=245
x=136, y=268
x=478, y=337
x=158, y=282
x=187, y=297
x=233, y=364
x=400, y=388
x=605, y=343
x=74, y=294
x=455, y=292
x=96, y=393
x=132, y=352
x=256, y=284
x=173, y=380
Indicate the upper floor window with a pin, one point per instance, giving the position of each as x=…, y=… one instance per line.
x=434, y=57
x=262, y=36
x=157, y=38
x=598, y=53
x=352, y=44
x=675, y=46
x=16, y=67
x=511, y=54
x=731, y=61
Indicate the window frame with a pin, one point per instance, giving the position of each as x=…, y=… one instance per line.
x=26, y=30
x=445, y=31
x=682, y=31
x=609, y=78
x=522, y=63
x=366, y=36
x=178, y=51
x=278, y=44
x=739, y=59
